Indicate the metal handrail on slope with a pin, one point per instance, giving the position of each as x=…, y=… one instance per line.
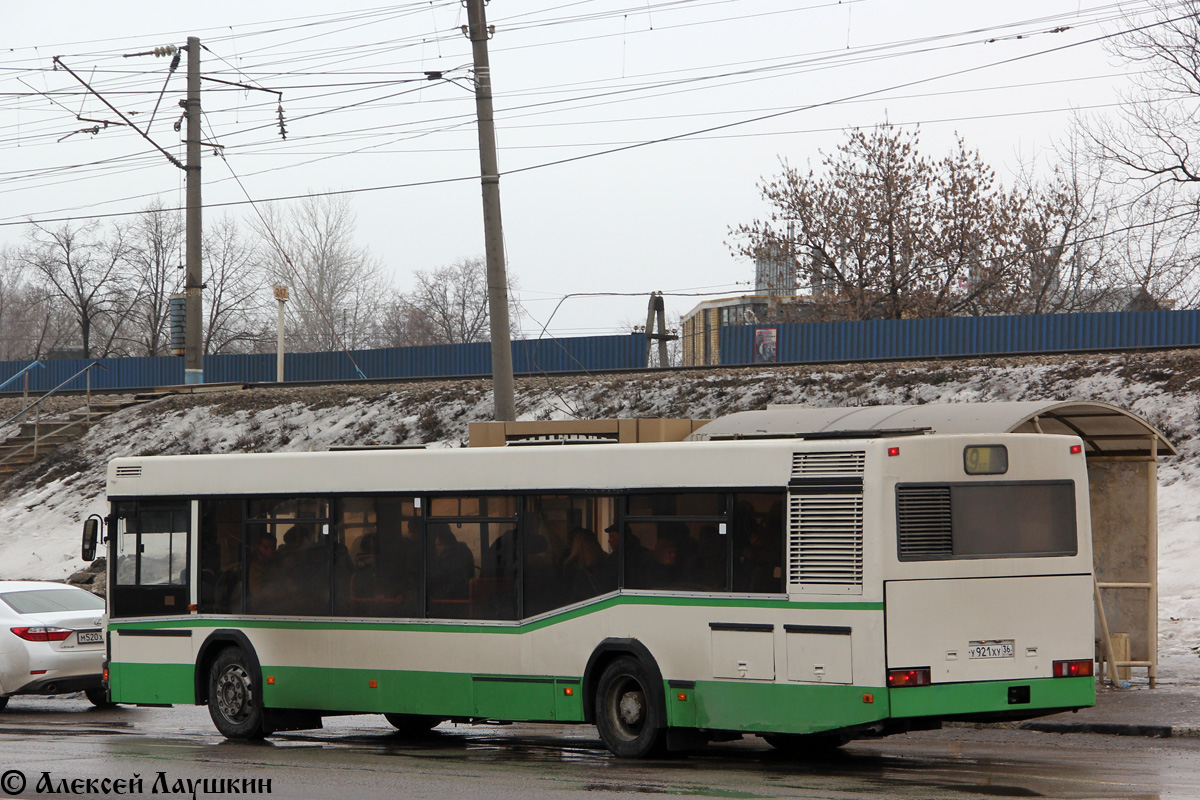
x=37, y=435
x=24, y=372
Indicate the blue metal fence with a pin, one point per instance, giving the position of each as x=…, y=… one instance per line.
x=958, y=336
x=434, y=361
x=798, y=342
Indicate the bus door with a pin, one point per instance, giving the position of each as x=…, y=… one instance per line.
x=149, y=574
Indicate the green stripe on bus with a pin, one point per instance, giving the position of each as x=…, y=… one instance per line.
x=446, y=694
x=726, y=705
x=948, y=699
x=778, y=707
x=152, y=683
x=184, y=621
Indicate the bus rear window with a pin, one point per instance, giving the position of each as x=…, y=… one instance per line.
x=985, y=520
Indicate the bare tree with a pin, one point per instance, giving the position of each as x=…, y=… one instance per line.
x=154, y=254
x=1150, y=149
x=448, y=306
x=31, y=323
x=81, y=267
x=1155, y=138
x=888, y=232
x=336, y=286
x=237, y=296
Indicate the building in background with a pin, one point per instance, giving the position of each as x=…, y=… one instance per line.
x=775, y=300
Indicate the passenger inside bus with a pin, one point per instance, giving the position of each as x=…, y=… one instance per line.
x=451, y=567
x=264, y=590
x=587, y=570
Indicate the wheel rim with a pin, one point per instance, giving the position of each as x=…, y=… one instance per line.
x=234, y=698
x=627, y=708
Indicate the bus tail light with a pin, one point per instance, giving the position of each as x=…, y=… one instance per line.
x=1081, y=668
x=918, y=676
x=43, y=633
x=1076, y=449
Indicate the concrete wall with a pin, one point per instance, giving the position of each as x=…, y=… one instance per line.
x=1124, y=538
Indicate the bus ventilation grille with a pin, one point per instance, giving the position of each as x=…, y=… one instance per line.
x=129, y=472
x=850, y=463
x=825, y=539
x=923, y=522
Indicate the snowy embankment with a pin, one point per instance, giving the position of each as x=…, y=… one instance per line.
x=42, y=508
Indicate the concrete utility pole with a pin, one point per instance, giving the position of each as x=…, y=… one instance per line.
x=281, y=295
x=656, y=308
x=193, y=348
x=493, y=232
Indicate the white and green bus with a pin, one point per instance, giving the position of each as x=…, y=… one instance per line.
x=806, y=590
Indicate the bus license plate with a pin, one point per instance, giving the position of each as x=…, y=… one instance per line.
x=991, y=649
x=90, y=637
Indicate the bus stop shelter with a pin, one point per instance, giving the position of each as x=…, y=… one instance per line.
x=1122, y=456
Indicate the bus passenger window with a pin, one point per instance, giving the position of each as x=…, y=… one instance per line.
x=675, y=542
x=288, y=556
x=221, y=556
x=571, y=550
x=757, y=536
x=377, y=559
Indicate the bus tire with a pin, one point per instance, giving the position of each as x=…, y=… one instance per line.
x=413, y=726
x=234, y=697
x=806, y=745
x=630, y=722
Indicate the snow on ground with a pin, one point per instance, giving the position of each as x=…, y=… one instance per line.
x=41, y=510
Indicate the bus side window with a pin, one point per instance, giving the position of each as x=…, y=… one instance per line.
x=571, y=550
x=221, y=556
x=288, y=555
x=674, y=542
x=472, y=554
x=377, y=560
x=757, y=536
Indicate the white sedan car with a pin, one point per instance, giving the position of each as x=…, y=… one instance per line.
x=51, y=640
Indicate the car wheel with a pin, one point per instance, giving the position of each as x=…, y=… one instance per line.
x=3, y=702
x=630, y=722
x=412, y=725
x=98, y=696
x=234, y=698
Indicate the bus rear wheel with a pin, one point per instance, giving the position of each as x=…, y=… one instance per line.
x=234, y=702
x=412, y=725
x=630, y=722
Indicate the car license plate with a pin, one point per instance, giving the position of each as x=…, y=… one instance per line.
x=997, y=648
x=90, y=637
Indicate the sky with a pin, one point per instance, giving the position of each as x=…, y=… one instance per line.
x=594, y=200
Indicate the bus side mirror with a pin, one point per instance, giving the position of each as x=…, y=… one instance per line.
x=91, y=536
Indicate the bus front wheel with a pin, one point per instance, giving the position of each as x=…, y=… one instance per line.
x=629, y=720
x=234, y=702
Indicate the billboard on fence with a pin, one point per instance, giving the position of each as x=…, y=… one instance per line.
x=766, y=350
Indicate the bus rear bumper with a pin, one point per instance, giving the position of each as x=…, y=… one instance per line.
x=992, y=701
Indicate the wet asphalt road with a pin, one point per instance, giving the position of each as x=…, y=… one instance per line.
x=359, y=757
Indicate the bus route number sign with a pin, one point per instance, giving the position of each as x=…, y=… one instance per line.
x=995, y=648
